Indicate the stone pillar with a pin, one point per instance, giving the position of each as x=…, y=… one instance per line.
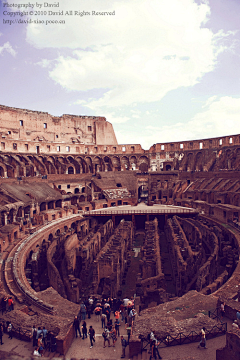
x=14, y=216
x=5, y=218
x=133, y=220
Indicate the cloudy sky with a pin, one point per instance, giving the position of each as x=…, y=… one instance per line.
x=159, y=70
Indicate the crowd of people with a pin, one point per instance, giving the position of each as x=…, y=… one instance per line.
x=43, y=339
x=7, y=304
x=112, y=313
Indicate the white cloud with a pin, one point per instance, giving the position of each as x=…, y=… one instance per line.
x=7, y=47
x=45, y=63
x=146, y=50
x=114, y=119
x=218, y=118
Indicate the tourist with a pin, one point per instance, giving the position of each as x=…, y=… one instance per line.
x=153, y=350
x=53, y=343
x=106, y=335
x=103, y=319
x=97, y=312
x=83, y=310
x=109, y=325
x=1, y=332
x=131, y=316
x=9, y=329
x=84, y=329
x=4, y=304
x=238, y=318
x=91, y=333
x=125, y=302
x=76, y=326
x=156, y=349
x=117, y=326
x=40, y=344
x=39, y=332
x=124, y=345
x=10, y=304
x=129, y=329
x=44, y=332
x=114, y=336
x=121, y=308
x=108, y=313
x=117, y=315
x=203, y=338
x=34, y=335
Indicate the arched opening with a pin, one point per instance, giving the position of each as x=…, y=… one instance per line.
x=50, y=237
x=82, y=198
x=70, y=170
x=43, y=206
x=1, y=172
x=168, y=167
x=59, y=203
x=51, y=205
x=76, y=190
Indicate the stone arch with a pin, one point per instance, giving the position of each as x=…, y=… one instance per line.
x=59, y=203
x=3, y=170
x=199, y=161
x=89, y=167
x=60, y=165
x=97, y=164
x=50, y=165
x=189, y=162
x=10, y=171
x=116, y=163
x=50, y=237
x=43, y=206
x=75, y=164
x=125, y=165
x=29, y=170
x=39, y=165
x=107, y=163
x=133, y=162
x=143, y=163
x=70, y=170
x=74, y=200
x=82, y=165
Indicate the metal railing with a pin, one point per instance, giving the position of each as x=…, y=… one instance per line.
x=182, y=338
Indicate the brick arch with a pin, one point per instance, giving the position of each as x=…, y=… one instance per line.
x=125, y=164
x=97, y=164
x=107, y=163
x=116, y=163
x=89, y=165
x=3, y=170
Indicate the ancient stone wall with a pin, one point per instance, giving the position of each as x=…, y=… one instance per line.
x=151, y=267
x=109, y=266
x=53, y=273
x=41, y=127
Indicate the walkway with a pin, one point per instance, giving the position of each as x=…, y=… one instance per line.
x=80, y=349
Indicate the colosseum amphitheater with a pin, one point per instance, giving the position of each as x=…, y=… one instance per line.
x=82, y=215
